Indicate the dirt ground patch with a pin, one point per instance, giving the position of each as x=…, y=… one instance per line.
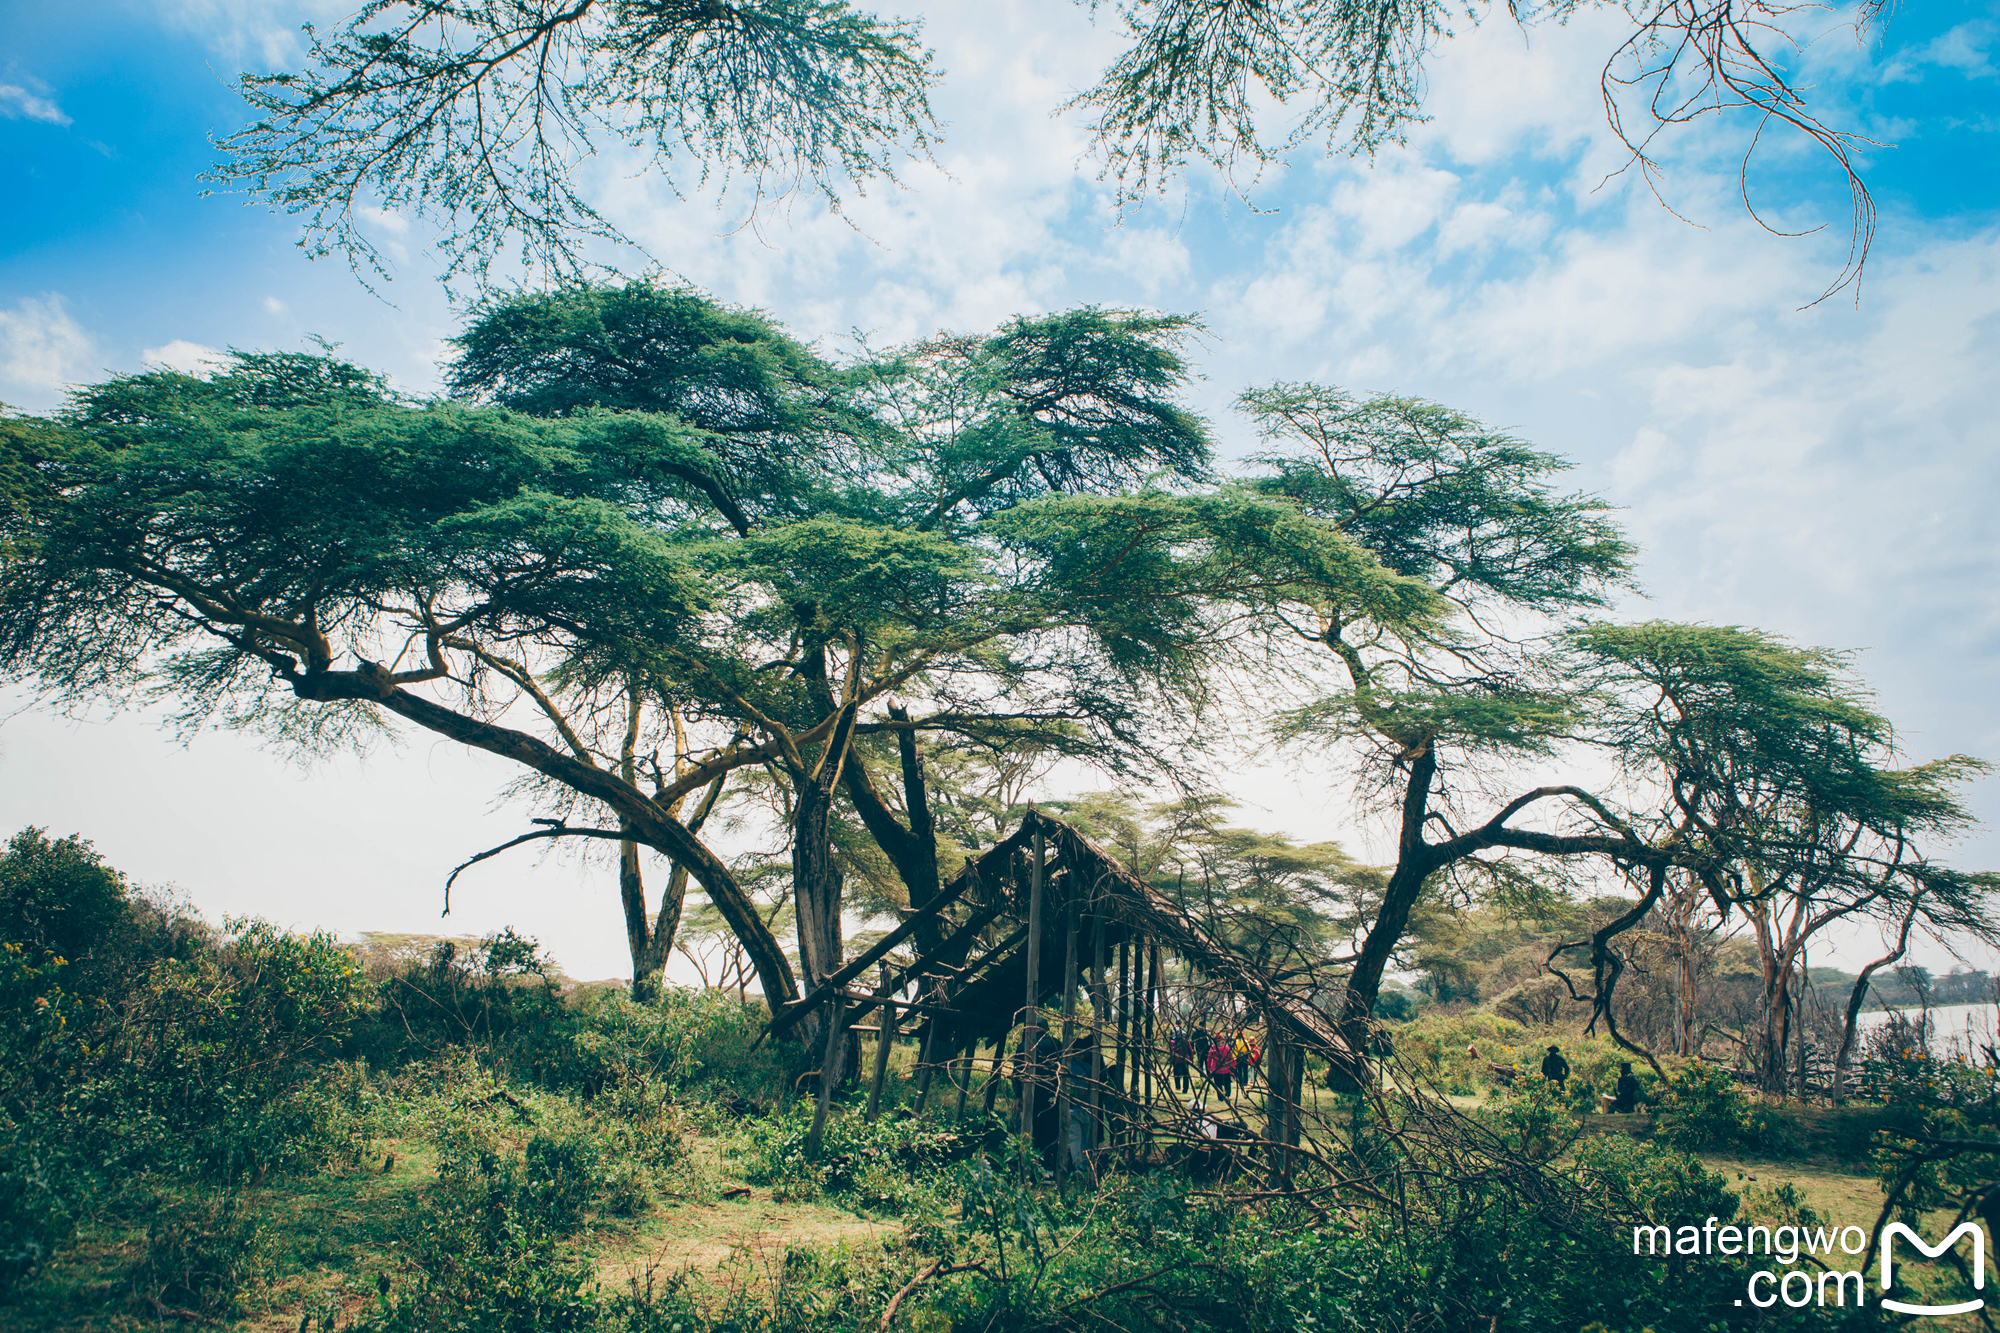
x=730, y=1242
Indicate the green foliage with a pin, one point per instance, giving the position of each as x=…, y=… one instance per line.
x=163, y=1049
x=1456, y=1051
x=442, y=110
x=1940, y=1140
x=1702, y=1107
x=494, y=1001
x=1464, y=504
x=878, y=1164
x=1651, y=1180
x=202, y=1251
x=1534, y=1118
x=480, y=1254
x=58, y=898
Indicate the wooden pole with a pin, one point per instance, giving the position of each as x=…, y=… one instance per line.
x=1152, y=1029
x=993, y=1074
x=927, y=1050
x=836, y=1015
x=1065, y=1093
x=1126, y=1013
x=1031, y=1022
x=885, y=1037
x=965, y=1079
x=1147, y=986
x=1100, y=1006
x=1142, y=1085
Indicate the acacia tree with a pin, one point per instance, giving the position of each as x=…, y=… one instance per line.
x=1769, y=756
x=758, y=548
x=913, y=454
x=1465, y=517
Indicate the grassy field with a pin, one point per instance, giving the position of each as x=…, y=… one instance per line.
x=718, y=1222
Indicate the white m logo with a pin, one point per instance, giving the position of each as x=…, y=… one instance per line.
x=1895, y=1229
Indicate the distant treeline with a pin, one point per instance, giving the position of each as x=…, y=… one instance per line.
x=1909, y=987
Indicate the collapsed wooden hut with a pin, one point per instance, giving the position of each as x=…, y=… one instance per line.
x=1019, y=932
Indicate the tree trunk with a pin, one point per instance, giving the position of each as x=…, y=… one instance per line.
x=1859, y=995
x=816, y=880
x=649, y=953
x=1415, y=862
x=913, y=851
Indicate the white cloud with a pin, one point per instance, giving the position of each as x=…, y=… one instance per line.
x=42, y=350
x=255, y=34
x=189, y=358
x=393, y=223
x=17, y=103
x=273, y=305
x=1965, y=48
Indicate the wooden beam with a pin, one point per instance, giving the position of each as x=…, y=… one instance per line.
x=1031, y=1022
x=828, y=1076
x=1100, y=1010
x=885, y=1037
x=981, y=919
x=794, y=1012
x=1065, y=1085
x=863, y=1002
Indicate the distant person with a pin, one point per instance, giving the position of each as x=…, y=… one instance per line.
x=1624, y=1098
x=1554, y=1068
x=1222, y=1065
x=1180, y=1050
x=1249, y=1056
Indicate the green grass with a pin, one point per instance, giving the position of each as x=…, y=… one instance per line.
x=323, y=1238
x=327, y=1239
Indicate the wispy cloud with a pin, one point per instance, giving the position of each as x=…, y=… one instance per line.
x=18, y=102
x=42, y=351
x=255, y=34
x=189, y=358
x=1966, y=48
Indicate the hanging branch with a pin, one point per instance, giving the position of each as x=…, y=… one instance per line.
x=560, y=830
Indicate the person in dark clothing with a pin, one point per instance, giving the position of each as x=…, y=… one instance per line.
x=1624, y=1098
x=1179, y=1051
x=1554, y=1068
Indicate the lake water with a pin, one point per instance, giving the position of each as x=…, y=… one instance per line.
x=1953, y=1024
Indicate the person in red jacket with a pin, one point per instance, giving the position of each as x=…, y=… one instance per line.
x=1222, y=1065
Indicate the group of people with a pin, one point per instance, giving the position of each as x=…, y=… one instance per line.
x=1624, y=1096
x=1228, y=1060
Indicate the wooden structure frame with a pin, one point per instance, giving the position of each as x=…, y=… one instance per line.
x=1044, y=893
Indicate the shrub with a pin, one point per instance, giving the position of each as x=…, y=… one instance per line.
x=201, y=1252
x=1436, y=1047
x=1651, y=1180
x=483, y=1245
x=1703, y=1108
x=1533, y=1118
x=854, y=1155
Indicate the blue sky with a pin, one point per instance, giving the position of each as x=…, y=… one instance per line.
x=1829, y=473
